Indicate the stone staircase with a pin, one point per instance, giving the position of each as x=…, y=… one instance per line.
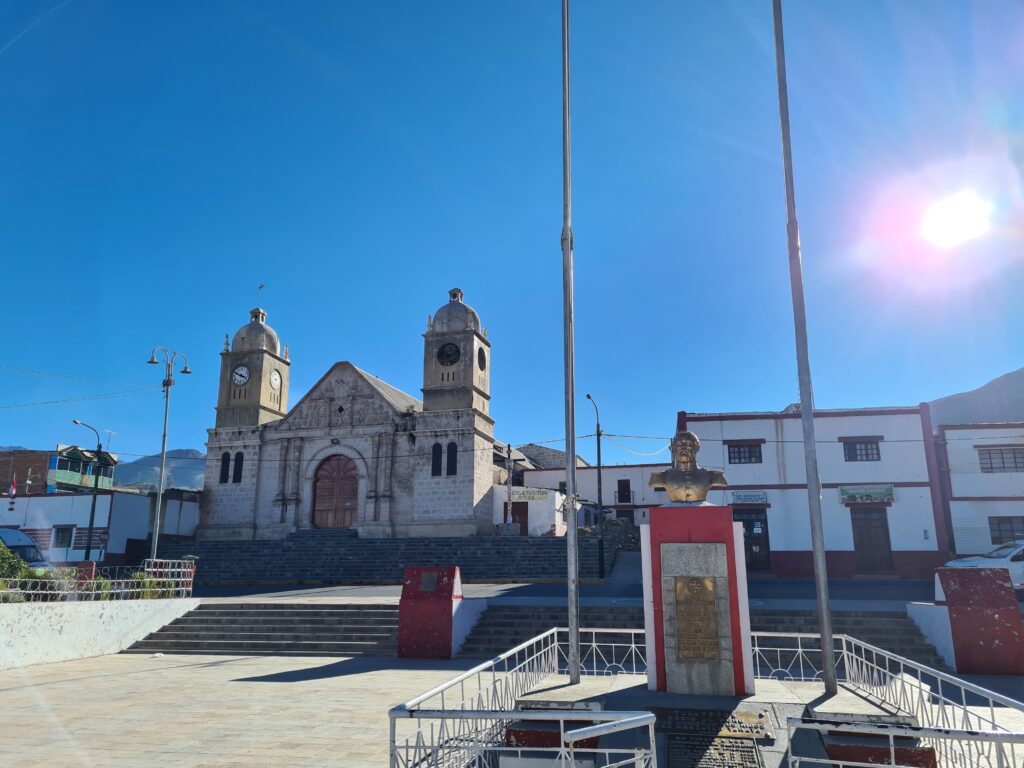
x=889, y=630
x=340, y=557
x=504, y=626
x=279, y=629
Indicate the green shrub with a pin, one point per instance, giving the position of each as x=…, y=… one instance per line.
x=12, y=566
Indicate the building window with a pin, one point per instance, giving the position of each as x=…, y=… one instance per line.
x=236, y=477
x=623, y=493
x=1001, y=460
x=1004, y=529
x=225, y=466
x=62, y=536
x=744, y=454
x=435, y=460
x=74, y=465
x=453, y=459
x=861, y=451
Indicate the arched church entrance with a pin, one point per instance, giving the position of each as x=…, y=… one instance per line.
x=336, y=493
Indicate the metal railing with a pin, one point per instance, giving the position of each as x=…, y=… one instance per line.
x=468, y=720
x=154, y=579
x=897, y=746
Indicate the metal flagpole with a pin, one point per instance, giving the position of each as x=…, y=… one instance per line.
x=804, y=368
x=572, y=543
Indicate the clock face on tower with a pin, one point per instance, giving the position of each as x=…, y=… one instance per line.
x=275, y=379
x=240, y=376
x=448, y=354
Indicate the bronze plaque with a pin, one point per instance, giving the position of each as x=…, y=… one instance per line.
x=696, y=619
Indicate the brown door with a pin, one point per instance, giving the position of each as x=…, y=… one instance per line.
x=871, y=549
x=521, y=515
x=335, y=493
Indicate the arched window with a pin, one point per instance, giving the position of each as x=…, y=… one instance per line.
x=237, y=476
x=435, y=460
x=453, y=459
x=225, y=466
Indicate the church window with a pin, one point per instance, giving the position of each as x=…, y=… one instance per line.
x=225, y=466
x=435, y=460
x=453, y=459
x=237, y=476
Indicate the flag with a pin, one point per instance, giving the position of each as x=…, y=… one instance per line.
x=13, y=490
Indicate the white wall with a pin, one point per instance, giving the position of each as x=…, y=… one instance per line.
x=40, y=633
x=911, y=516
x=544, y=514
x=41, y=513
x=933, y=621
x=975, y=495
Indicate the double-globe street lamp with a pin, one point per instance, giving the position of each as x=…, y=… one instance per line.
x=600, y=496
x=97, y=468
x=169, y=357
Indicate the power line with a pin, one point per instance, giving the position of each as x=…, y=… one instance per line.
x=35, y=372
x=140, y=391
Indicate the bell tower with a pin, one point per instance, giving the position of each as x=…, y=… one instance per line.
x=456, y=359
x=253, y=376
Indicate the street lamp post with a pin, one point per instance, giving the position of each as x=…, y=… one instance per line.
x=169, y=357
x=803, y=364
x=571, y=542
x=95, y=487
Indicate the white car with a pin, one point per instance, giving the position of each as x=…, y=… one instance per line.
x=24, y=547
x=1009, y=556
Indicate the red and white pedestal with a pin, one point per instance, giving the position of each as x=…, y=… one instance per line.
x=696, y=615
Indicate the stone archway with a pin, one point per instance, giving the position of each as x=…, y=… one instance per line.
x=336, y=493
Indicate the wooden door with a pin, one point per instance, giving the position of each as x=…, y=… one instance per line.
x=336, y=493
x=521, y=516
x=871, y=548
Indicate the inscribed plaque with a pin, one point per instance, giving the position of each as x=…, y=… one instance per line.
x=696, y=619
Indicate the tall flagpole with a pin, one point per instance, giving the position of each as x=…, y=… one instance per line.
x=572, y=543
x=803, y=363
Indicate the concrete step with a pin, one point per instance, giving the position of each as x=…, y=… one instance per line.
x=306, y=648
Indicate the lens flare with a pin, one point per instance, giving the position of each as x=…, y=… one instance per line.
x=956, y=219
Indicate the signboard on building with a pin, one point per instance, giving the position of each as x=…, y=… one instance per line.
x=749, y=497
x=865, y=494
x=529, y=494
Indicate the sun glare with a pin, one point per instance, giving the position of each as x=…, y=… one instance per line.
x=956, y=219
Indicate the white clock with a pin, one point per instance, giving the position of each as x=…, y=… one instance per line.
x=240, y=376
x=275, y=379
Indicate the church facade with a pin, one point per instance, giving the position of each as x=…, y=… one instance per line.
x=354, y=452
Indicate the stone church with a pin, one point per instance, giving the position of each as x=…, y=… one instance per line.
x=354, y=452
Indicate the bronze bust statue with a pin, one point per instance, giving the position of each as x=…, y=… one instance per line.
x=686, y=481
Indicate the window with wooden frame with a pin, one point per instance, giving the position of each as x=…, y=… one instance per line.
x=1005, y=529
x=861, y=450
x=744, y=453
x=1005, y=459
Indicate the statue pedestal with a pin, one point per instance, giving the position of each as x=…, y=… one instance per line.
x=696, y=616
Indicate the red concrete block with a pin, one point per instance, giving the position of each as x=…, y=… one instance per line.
x=985, y=620
x=425, y=611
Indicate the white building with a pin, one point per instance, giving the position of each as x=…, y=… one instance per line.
x=59, y=523
x=881, y=507
x=984, y=483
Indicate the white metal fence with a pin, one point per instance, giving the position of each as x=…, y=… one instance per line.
x=154, y=579
x=467, y=721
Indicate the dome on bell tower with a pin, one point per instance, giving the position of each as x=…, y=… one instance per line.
x=256, y=334
x=455, y=315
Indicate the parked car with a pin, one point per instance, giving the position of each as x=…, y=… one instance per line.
x=24, y=547
x=1009, y=555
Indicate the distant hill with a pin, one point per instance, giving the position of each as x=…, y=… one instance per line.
x=13, y=448
x=1002, y=399
x=185, y=468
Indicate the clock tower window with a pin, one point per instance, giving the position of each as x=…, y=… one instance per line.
x=237, y=476
x=453, y=459
x=435, y=460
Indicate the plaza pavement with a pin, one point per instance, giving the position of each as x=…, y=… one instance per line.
x=134, y=711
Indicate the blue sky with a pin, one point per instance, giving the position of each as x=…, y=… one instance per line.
x=160, y=160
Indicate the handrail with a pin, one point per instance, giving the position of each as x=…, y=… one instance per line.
x=629, y=721
x=1006, y=701
x=483, y=666
x=908, y=731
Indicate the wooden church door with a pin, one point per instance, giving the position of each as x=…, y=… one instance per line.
x=336, y=493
